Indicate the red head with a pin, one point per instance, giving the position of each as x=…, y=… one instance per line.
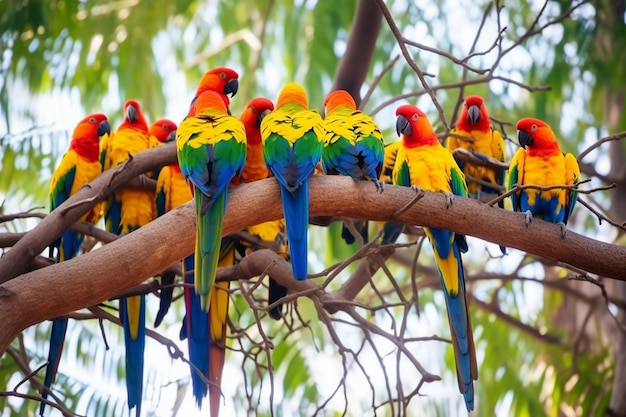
x=164, y=130
x=252, y=115
x=292, y=92
x=209, y=100
x=414, y=127
x=86, y=136
x=133, y=116
x=474, y=115
x=222, y=80
x=339, y=98
x=537, y=137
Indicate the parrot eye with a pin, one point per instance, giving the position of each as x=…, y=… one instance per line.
x=165, y=127
x=533, y=127
x=253, y=109
x=92, y=120
x=222, y=75
x=415, y=117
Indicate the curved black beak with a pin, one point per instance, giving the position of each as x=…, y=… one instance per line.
x=231, y=87
x=171, y=137
x=261, y=116
x=104, y=128
x=473, y=114
x=403, y=126
x=131, y=113
x=525, y=139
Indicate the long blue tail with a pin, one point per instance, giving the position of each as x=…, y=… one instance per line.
x=448, y=254
x=296, y=210
x=197, y=332
x=166, y=293
x=133, y=312
x=57, y=338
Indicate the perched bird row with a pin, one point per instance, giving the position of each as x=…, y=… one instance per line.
x=217, y=151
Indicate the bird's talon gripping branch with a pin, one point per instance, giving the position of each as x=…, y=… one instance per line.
x=449, y=199
x=528, y=217
x=563, y=229
x=380, y=186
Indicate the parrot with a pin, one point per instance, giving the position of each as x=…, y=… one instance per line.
x=79, y=166
x=223, y=81
x=353, y=146
x=128, y=210
x=391, y=230
x=540, y=162
x=483, y=141
x=211, y=149
x=292, y=137
x=423, y=163
x=161, y=132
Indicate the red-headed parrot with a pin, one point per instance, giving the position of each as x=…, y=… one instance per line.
x=292, y=138
x=211, y=151
x=129, y=209
x=353, y=146
x=540, y=162
x=79, y=166
x=224, y=81
x=422, y=162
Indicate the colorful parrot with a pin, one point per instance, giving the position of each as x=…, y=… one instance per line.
x=423, y=163
x=128, y=210
x=353, y=146
x=161, y=132
x=540, y=162
x=211, y=151
x=473, y=131
x=79, y=166
x=224, y=81
x=292, y=139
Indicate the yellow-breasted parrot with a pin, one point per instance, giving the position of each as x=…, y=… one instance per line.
x=353, y=146
x=161, y=132
x=224, y=81
x=211, y=151
x=473, y=131
x=292, y=138
x=79, y=166
x=129, y=209
x=422, y=162
x=391, y=230
x=540, y=162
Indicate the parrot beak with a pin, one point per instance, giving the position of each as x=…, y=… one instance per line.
x=473, y=114
x=525, y=139
x=131, y=114
x=104, y=128
x=403, y=126
x=171, y=137
x=261, y=116
x=231, y=87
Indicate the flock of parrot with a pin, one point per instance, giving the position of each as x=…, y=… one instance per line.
x=290, y=142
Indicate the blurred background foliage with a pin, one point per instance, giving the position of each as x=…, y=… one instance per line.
x=543, y=350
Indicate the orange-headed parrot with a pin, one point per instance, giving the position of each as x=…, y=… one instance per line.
x=224, y=81
x=423, y=163
x=540, y=162
x=292, y=138
x=79, y=166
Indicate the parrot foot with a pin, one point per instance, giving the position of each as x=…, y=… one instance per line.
x=449, y=199
x=417, y=189
x=528, y=217
x=380, y=186
x=563, y=229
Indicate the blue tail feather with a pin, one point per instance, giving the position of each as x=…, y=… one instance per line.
x=135, y=348
x=57, y=339
x=296, y=210
x=198, y=335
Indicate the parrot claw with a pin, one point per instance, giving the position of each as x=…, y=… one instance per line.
x=563, y=229
x=380, y=186
x=417, y=189
x=528, y=217
x=449, y=199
